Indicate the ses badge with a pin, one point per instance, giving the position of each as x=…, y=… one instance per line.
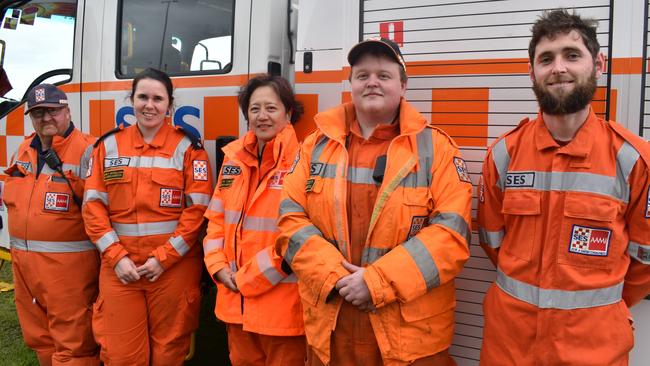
x=170, y=197
x=200, y=170
x=417, y=223
x=590, y=241
x=461, y=169
x=57, y=201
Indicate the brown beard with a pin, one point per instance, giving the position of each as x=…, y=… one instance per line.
x=579, y=98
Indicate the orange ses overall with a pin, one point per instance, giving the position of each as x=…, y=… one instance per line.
x=417, y=240
x=55, y=265
x=568, y=228
x=147, y=200
x=241, y=235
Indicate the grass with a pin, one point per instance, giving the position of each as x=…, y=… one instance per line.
x=211, y=344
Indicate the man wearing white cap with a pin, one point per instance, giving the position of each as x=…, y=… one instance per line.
x=375, y=222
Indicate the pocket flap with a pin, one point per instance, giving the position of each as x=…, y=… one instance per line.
x=522, y=203
x=167, y=177
x=597, y=209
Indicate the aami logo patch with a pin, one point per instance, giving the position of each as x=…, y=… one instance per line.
x=115, y=162
x=171, y=197
x=276, y=181
x=230, y=170
x=590, y=241
x=417, y=223
x=57, y=201
x=520, y=179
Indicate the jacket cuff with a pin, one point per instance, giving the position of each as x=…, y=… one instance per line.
x=114, y=253
x=381, y=292
x=163, y=257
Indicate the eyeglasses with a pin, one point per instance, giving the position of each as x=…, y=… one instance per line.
x=40, y=112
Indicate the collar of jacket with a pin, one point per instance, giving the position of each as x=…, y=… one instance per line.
x=580, y=145
x=245, y=148
x=157, y=141
x=335, y=123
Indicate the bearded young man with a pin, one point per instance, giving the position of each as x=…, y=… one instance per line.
x=564, y=214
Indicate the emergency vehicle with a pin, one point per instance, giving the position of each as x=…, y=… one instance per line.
x=466, y=60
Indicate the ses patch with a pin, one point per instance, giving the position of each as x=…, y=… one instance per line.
x=590, y=241
x=417, y=223
x=113, y=175
x=57, y=202
x=226, y=183
x=200, y=170
x=171, y=197
x=230, y=170
x=276, y=181
x=116, y=162
x=316, y=168
x=520, y=179
x=461, y=169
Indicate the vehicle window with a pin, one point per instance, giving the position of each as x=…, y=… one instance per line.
x=38, y=37
x=180, y=37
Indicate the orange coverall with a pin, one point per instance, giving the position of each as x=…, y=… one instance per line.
x=417, y=240
x=55, y=265
x=147, y=200
x=568, y=229
x=264, y=319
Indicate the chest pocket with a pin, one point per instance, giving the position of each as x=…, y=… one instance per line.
x=522, y=214
x=168, y=189
x=588, y=226
x=119, y=186
x=58, y=198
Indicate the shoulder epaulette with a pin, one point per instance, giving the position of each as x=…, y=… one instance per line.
x=639, y=143
x=102, y=137
x=196, y=141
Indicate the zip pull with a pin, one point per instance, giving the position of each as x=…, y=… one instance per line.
x=33, y=300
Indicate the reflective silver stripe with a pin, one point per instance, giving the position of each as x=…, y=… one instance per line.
x=501, y=160
x=425, y=158
x=253, y=223
x=216, y=205
x=110, y=147
x=106, y=240
x=231, y=217
x=290, y=279
x=318, y=148
x=49, y=171
x=212, y=244
x=199, y=199
x=298, y=239
x=371, y=255
x=454, y=222
x=329, y=171
x=145, y=229
x=577, y=182
x=361, y=176
x=179, y=244
x=626, y=157
x=424, y=261
x=51, y=246
x=639, y=252
x=95, y=195
x=558, y=299
x=266, y=267
x=84, y=161
x=175, y=162
x=492, y=238
x=290, y=206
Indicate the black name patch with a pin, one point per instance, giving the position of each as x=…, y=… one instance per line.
x=231, y=170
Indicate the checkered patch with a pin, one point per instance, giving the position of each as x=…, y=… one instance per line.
x=57, y=201
x=200, y=170
x=170, y=197
x=461, y=169
x=647, y=208
x=417, y=223
x=39, y=94
x=590, y=241
x=275, y=182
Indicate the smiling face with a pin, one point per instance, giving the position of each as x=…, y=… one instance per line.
x=376, y=88
x=50, y=121
x=151, y=103
x=564, y=74
x=267, y=116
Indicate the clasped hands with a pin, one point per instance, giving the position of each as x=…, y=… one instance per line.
x=128, y=272
x=353, y=288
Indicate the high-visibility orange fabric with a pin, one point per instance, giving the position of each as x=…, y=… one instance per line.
x=417, y=241
x=254, y=349
x=241, y=233
x=569, y=231
x=54, y=263
x=147, y=200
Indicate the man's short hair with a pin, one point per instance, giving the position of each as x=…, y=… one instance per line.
x=560, y=21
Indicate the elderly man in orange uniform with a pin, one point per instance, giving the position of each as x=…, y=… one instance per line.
x=564, y=214
x=55, y=265
x=375, y=222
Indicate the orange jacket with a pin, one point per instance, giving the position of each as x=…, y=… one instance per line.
x=43, y=216
x=569, y=231
x=146, y=200
x=241, y=234
x=417, y=241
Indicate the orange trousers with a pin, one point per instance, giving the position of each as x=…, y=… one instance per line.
x=353, y=343
x=253, y=349
x=148, y=323
x=54, y=293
